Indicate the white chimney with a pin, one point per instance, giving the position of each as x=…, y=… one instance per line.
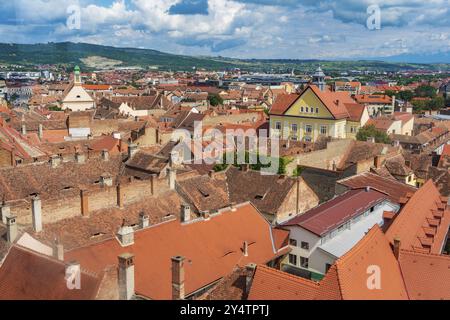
x=185, y=213
x=126, y=276
x=58, y=251
x=117, y=135
x=126, y=236
x=36, y=211
x=40, y=131
x=245, y=249
x=11, y=228
x=55, y=161
x=144, y=220
x=172, y=178
x=106, y=180
x=105, y=155
x=80, y=158
x=24, y=129
x=132, y=150
x=5, y=211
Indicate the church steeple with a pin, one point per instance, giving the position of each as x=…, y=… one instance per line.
x=319, y=79
x=77, y=76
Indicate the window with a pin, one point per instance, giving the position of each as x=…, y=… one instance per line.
x=293, y=259
x=308, y=128
x=293, y=242
x=302, y=110
x=308, y=139
x=372, y=209
x=304, y=262
x=307, y=109
x=294, y=127
x=327, y=267
x=278, y=125
x=305, y=245
x=317, y=110
x=323, y=130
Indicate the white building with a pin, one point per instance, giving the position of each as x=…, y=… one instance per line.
x=76, y=98
x=322, y=235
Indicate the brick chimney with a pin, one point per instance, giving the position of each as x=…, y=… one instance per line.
x=172, y=178
x=5, y=211
x=178, y=278
x=144, y=220
x=126, y=236
x=185, y=213
x=397, y=245
x=58, y=250
x=84, y=197
x=126, y=276
x=36, y=211
x=11, y=228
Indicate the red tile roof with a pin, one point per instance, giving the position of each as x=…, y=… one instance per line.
x=337, y=211
x=426, y=210
x=393, y=188
x=26, y=275
x=426, y=275
x=373, y=99
x=283, y=103
x=272, y=284
x=213, y=248
x=348, y=277
x=355, y=111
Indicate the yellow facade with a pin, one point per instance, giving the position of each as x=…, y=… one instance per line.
x=306, y=120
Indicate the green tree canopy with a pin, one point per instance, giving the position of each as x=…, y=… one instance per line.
x=370, y=131
x=215, y=100
x=426, y=91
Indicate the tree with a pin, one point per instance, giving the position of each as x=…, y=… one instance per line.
x=215, y=100
x=437, y=103
x=426, y=91
x=371, y=132
x=405, y=95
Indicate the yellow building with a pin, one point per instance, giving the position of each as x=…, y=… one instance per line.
x=314, y=113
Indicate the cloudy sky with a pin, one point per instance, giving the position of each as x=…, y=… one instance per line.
x=298, y=29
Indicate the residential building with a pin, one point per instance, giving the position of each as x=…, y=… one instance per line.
x=322, y=235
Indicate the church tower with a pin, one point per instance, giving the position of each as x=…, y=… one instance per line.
x=319, y=79
x=77, y=76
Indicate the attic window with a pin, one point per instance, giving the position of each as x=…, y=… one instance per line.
x=78, y=97
x=204, y=192
x=67, y=188
x=260, y=196
x=97, y=234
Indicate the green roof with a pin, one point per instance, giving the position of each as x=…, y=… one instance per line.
x=77, y=68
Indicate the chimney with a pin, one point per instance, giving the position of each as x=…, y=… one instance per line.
x=24, y=129
x=126, y=236
x=397, y=245
x=250, y=268
x=172, y=178
x=245, y=167
x=73, y=273
x=106, y=180
x=11, y=228
x=371, y=139
x=174, y=158
x=105, y=155
x=5, y=211
x=211, y=174
x=80, y=158
x=178, y=278
x=36, y=211
x=58, y=250
x=144, y=220
x=132, y=150
x=396, y=143
x=378, y=161
x=119, y=195
x=55, y=161
x=185, y=213
x=126, y=276
x=245, y=249
x=84, y=197
x=40, y=131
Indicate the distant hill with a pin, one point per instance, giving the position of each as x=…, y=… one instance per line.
x=92, y=57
